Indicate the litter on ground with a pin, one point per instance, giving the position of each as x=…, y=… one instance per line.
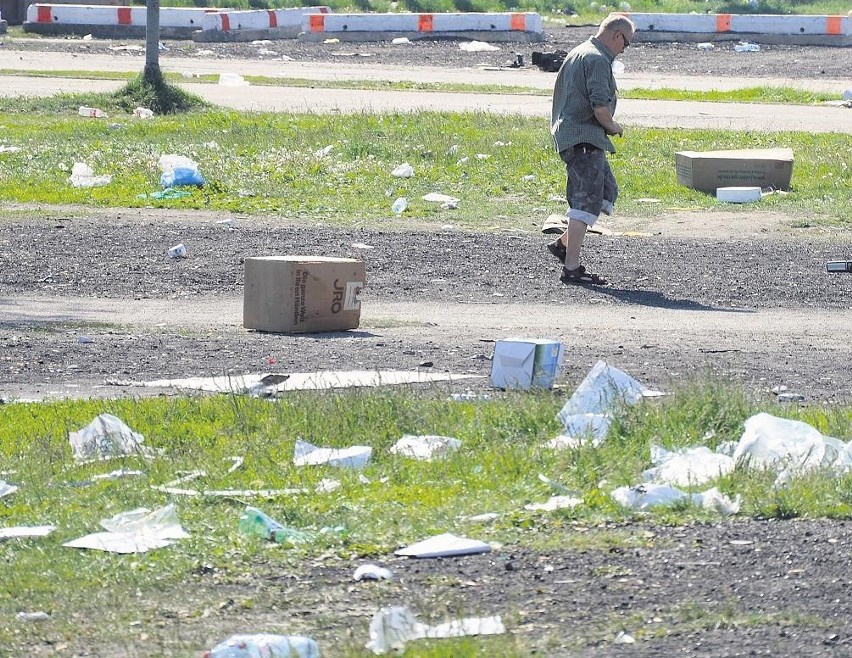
x=588, y=413
x=106, y=436
x=444, y=545
x=26, y=531
x=687, y=466
x=265, y=645
x=372, y=572
x=307, y=454
x=426, y=447
x=249, y=384
x=555, y=503
x=394, y=626
x=646, y=496
x=136, y=531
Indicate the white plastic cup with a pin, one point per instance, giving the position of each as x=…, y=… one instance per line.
x=178, y=251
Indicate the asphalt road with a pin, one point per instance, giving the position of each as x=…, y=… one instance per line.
x=658, y=114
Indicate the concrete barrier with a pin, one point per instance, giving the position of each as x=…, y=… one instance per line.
x=112, y=22
x=380, y=27
x=249, y=25
x=761, y=28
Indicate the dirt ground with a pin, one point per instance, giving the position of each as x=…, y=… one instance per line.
x=89, y=303
x=772, y=61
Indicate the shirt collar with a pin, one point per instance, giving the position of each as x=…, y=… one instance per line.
x=604, y=50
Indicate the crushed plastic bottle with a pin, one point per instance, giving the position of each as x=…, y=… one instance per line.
x=265, y=645
x=399, y=206
x=255, y=522
x=92, y=112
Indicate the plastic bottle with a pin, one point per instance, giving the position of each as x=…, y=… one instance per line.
x=399, y=206
x=92, y=112
x=255, y=522
x=265, y=645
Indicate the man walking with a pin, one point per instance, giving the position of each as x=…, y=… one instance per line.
x=584, y=99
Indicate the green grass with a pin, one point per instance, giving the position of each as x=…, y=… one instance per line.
x=495, y=470
x=266, y=163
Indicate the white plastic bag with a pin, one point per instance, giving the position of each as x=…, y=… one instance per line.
x=425, y=447
x=687, y=467
x=265, y=645
x=106, y=436
x=82, y=175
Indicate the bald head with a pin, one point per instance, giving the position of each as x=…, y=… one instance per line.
x=616, y=22
x=616, y=32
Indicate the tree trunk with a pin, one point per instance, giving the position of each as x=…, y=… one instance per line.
x=152, y=42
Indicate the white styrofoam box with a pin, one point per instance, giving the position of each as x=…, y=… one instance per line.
x=523, y=363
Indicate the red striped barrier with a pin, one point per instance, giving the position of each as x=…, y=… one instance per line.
x=490, y=26
x=731, y=25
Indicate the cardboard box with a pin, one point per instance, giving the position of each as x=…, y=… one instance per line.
x=525, y=363
x=298, y=294
x=709, y=170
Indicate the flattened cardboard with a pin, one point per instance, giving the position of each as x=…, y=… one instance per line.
x=299, y=294
x=708, y=170
x=525, y=363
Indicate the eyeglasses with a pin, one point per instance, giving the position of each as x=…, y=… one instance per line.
x=626, y=42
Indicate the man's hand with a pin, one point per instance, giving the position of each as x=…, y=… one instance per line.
x=610, y=125
x=615, y=129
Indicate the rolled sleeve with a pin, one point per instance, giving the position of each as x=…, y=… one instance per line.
x=598, y=79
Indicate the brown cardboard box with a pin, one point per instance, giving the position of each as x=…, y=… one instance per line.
x=709, y=170
x=298, y=294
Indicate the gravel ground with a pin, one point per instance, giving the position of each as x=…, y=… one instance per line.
x=773, y=61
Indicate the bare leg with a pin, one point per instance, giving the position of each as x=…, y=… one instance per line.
x=573, y=240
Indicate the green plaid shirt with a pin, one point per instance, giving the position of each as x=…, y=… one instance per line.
x=585, y=81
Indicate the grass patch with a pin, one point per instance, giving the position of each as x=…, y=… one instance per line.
x=157, y=94
x=402, y=501
x=502, y=168
x=763, y=94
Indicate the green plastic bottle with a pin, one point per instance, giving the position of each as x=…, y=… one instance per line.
x=255, y=522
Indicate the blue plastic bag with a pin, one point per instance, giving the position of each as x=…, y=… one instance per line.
x=181, y=176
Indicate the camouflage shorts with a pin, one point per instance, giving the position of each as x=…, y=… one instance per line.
x=591, y=187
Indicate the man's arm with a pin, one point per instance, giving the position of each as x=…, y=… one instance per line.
x=610, y=125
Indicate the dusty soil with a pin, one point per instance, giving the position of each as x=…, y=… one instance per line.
x=746, y=298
